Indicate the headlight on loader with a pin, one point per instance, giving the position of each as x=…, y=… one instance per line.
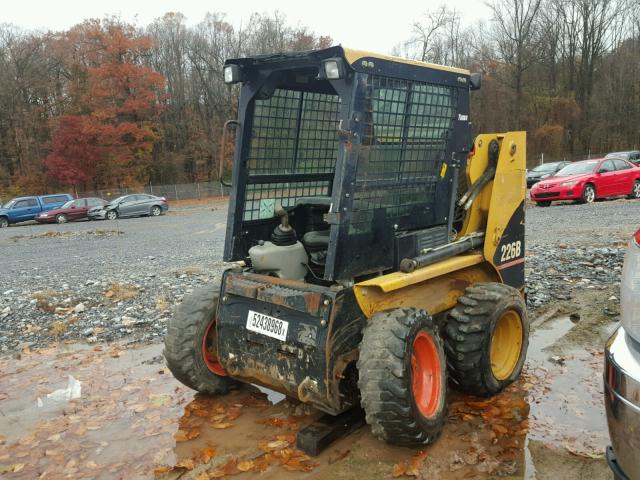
x=334, y=68
x=232, y=74
x=630, y=289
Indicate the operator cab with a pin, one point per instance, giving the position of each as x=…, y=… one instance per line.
x=339, y=151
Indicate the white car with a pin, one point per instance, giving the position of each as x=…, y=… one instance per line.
x=622, y=374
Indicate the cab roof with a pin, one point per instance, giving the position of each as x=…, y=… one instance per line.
x=353, y=57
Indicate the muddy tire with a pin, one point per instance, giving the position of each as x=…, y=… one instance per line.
x=188, y=348
x=402, y=377
x=486, y=339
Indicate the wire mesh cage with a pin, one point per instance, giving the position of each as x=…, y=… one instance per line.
x=406, y=135
x=294, y=137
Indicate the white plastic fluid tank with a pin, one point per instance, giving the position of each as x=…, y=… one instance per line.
x=288, y=261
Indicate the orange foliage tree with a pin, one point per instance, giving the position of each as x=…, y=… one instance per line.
x=118, y=100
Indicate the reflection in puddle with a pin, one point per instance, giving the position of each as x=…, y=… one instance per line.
x=133, y=418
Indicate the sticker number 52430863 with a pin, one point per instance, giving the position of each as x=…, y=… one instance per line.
x=510, y=251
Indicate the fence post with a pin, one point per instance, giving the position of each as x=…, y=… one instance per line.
x=175, y=188
x=151, y=188
x=198, y=188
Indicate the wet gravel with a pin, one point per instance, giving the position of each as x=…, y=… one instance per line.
x=103, y=281
x=571, y=248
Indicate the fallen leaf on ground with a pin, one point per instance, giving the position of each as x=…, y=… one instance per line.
x=229, y=468
x=339, y=456
x=410, y=468
x=222, y=425
x=278, y=444
x=246, y=465
x=12, y=468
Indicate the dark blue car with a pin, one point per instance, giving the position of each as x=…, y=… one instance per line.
x=22, y=209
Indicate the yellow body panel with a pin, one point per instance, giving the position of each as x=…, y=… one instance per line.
x=508, y=190
x=434, y=295
x=436, y=288
x=352, y=56
x=396, y=280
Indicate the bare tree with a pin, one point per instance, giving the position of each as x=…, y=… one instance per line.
x=516, y=42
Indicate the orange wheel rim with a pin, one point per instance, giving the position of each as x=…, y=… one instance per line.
x=426, y=374
x=210, y=350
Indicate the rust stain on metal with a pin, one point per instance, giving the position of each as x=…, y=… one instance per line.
x=312, y=301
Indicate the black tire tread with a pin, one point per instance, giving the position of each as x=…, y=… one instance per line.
x=181, y=343
x=466, y=334
x=384, y=378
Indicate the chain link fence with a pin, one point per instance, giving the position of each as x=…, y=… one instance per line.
x=178, y=191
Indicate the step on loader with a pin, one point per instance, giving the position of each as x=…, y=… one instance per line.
x=377, y=247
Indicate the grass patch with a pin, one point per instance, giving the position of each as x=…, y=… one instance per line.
x=117, y=292
x=58, y=328
x=162, y=303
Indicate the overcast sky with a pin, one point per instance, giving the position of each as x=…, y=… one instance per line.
x=356, y=24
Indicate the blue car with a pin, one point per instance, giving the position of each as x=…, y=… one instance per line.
x=23, y=209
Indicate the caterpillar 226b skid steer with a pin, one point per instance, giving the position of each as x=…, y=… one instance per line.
x=378, y=247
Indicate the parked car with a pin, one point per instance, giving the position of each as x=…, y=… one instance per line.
x=23, y=209
x=544, y=171
x=632, y=156
x=70, y=211
x=622, y=373
x=588, y=180
x=130, y=206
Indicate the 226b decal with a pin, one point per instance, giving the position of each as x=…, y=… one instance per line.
x=510, y=251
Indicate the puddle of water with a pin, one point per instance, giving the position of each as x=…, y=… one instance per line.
x=566, y=403
x=133, y=417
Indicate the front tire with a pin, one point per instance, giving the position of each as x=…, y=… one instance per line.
x=635, y=191
x=589, y=193
x=486, y=338
x=544, y=203
x=190, y=344
x=61, y=218
x=402, y=377
x=111, y=215
x=4, y=223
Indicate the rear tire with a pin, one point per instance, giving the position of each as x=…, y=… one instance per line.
x=589, y=193
x=635, y=191
x=190, y=343
x=61, y=218
x=486, y=338
x=544, y=203
x=402, y=377
x=155, y=211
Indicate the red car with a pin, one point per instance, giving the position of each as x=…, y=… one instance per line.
x=588, y=180
x=72, y=210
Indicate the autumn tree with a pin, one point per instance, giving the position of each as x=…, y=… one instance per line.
x=118, y=104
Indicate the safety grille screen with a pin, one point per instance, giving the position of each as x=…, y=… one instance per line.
x=293, y=135
x=408, y=127
x=261, y=198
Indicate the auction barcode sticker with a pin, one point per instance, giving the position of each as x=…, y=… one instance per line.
x=266, y=325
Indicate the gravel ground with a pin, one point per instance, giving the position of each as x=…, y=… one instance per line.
x=101, y=281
